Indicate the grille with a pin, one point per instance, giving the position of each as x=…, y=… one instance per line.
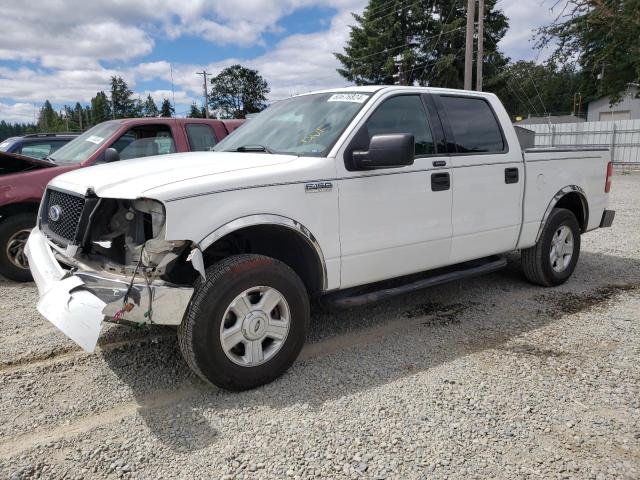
x=69, y=209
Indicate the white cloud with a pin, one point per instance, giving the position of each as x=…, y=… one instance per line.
x=524, y=18
x=18, y=112
x=62, y=45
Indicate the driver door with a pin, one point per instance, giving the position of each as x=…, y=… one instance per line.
x=396, y=221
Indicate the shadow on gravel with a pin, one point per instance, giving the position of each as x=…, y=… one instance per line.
x=430, y=328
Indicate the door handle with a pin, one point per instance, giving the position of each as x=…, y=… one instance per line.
x=440, y=182
x=511, y=175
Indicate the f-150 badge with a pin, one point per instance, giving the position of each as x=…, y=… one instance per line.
x=318, y=187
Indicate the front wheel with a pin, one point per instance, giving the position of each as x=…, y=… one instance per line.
x=553, y=259
x=246, y=323
x=14, y=232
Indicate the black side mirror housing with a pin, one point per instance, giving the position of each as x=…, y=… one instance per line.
x=393, y=150
x=111, y=155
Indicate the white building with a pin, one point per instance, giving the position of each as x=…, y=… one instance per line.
x=628, y=109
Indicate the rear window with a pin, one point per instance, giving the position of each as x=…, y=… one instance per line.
x=473, y=124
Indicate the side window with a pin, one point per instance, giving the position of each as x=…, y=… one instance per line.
x=145, y=141
x=403, y=114
x=201, y=137
x=474, y=126
x=36, y=149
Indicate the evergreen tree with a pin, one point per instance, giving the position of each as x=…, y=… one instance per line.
x=425, y=39
x=149, y=108
x=100, y=108
x=166, y=109
x=236, y=91
x=48, y=119
x=122, y=101
x=196, y=112
x=601, y=36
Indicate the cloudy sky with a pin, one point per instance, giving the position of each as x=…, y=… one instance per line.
x=66, y=50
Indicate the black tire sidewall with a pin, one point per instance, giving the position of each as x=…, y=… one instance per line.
x=557, y=219
x=255, y=271
x=8, y=227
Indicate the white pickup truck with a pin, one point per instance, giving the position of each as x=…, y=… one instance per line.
x=347, y=195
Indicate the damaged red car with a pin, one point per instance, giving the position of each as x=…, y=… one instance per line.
x=23, y=179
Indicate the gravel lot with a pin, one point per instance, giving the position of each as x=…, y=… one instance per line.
x=483, y=378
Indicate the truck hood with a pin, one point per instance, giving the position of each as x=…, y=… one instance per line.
x=136, y=178
x=14, y=163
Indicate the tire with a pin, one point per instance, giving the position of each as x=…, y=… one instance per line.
x=14, y=231
x=215, y=310
x=544, y=266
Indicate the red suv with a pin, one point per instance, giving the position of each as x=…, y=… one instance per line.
x=24, y=179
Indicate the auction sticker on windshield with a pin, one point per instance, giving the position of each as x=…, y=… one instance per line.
x=95, y=139
x=348, y=97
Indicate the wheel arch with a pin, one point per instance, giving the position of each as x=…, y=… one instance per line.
x=289, y=241
x=17, y=208
x=574, y=199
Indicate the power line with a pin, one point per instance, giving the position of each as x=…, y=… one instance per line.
x=446, y=22
x=387, y=50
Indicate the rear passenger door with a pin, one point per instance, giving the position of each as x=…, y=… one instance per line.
x=487, y=179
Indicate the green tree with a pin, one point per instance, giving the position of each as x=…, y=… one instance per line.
x=601, y=36
x=48, y=120
x=123, y=104
x=196, y=112
x=526, y=88
x=100, y=108
x=166, y=109
x=237, y=91
x=424, y=39
x=149, y=108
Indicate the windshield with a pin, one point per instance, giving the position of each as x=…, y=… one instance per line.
x=7, y=144
x=308, y=125
x=81, y=148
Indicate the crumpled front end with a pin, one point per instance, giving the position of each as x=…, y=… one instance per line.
x=97, y=260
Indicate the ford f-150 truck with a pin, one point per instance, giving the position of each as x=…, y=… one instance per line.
x=24, y=179
x=346, y=196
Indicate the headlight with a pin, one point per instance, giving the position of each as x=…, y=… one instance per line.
x=156, y=212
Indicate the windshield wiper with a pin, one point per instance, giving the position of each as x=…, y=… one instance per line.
x=253, y=148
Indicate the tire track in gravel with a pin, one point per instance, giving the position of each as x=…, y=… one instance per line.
x=162, y=398
x=71, y=352
x=326, y=347
x=16, y=445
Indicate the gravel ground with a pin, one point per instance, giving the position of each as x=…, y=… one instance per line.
x=484, y=378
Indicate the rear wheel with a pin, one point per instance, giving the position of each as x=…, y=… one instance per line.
x=247, y=322
x=553, y=259
x=14, y=232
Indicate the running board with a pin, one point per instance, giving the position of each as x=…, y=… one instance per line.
x=357, y=296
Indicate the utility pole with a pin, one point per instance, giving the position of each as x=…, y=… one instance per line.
x=479, y=59
x=204, y=74
x=400, y=77
x=80, y=117
x=468, y=53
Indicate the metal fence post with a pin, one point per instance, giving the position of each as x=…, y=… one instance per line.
x=613, y=140
x=553, y=135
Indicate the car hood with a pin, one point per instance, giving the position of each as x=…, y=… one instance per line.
x=14, y=163
x=139, y=177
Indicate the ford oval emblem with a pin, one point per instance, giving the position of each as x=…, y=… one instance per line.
x=54, y=213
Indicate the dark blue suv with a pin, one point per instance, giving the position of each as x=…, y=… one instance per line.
x=36, y=145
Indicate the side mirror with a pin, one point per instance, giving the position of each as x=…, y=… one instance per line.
x=386, y=151
x=111, y=155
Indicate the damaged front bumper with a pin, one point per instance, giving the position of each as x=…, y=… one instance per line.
x=78, y=302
